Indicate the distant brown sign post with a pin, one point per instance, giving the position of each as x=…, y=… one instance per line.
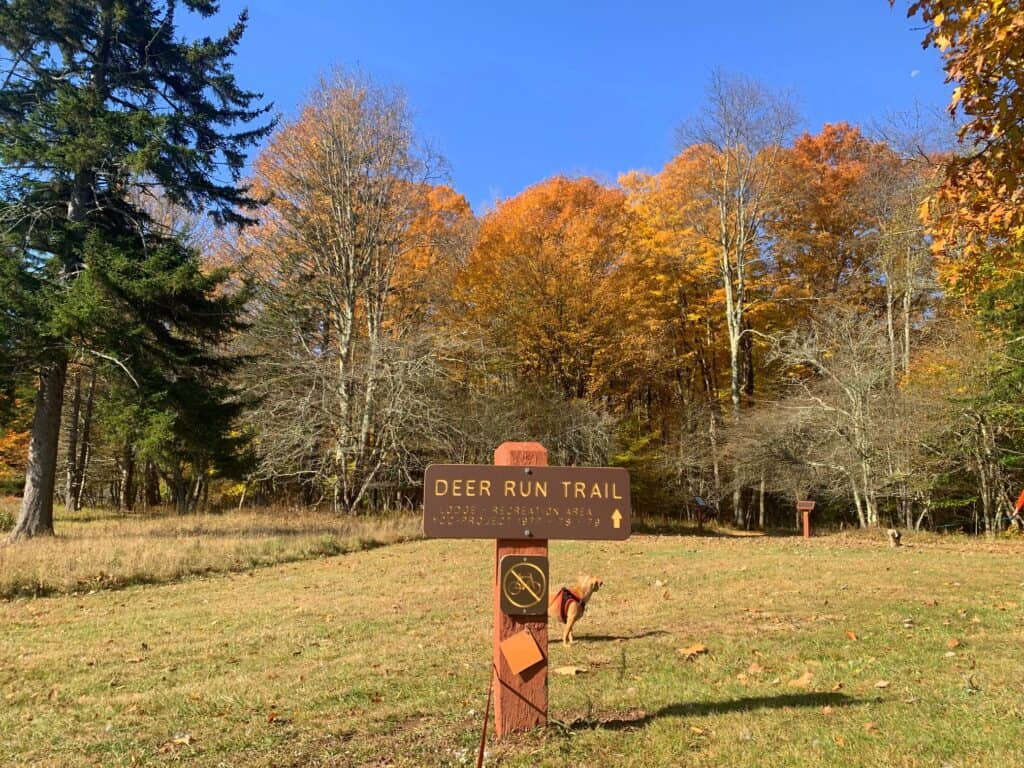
x=521, y=502
x=805, y=508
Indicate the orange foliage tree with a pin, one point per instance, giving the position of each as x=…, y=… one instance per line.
x=978, y=212
x=14, y=436
x=536, y=283
x=823, y=231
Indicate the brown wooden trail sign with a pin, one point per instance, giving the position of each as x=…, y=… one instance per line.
x=805, y=508
x=466, y=501
x=521, y=502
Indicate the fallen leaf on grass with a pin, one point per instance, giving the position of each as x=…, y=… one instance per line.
x=179, y=740
x=837, y=687
x=569, y=671
x=851, y=634
x=755, y=669
x=697, y=730
x=803, y=681
x=882, y=684
x=953, y=642
x=840, y=741
x=826, y=710
x=693, y=651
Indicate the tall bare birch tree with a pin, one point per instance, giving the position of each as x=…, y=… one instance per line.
x=740, y=132
x=742, y=128
x=347, y=183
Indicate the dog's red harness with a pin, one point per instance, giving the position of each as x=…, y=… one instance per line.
x=567, y=597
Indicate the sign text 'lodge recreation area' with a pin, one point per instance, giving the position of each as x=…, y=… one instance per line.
x=484, y=502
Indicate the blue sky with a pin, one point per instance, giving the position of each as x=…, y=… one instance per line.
x=514, y=92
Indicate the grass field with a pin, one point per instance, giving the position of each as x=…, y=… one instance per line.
x=99, y=549
x=837, y=651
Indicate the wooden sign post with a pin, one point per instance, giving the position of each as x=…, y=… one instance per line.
x=805, y=508
x=521, y=502
x=520, y=700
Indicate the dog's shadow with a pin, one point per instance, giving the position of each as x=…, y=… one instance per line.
x=621, y=638
x=640, y=719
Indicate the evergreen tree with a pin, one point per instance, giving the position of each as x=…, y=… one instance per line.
x=101, y=105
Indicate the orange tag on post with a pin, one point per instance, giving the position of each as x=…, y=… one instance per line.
x=521, y=651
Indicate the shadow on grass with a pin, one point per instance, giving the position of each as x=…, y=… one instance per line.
x=669, y=527
x=639, y=719
x=617, y=638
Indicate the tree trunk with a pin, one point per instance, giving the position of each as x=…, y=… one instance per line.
x=36, y=518
x=127, y=495
x=890, y=328
x=197, y=491
x=85, y=449
x=747, y=344
x=760, y=504
x=71, y=471
x=716, y=476
x=862, y=520
x=926, y=508
x=907, y=302
x=152, y=493
x=179, y=490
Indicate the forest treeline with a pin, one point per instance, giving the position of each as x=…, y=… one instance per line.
x=776, y=314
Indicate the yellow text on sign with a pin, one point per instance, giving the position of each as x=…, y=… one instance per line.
x=525, y=489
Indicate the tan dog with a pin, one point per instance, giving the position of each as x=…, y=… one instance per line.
x=569, y=603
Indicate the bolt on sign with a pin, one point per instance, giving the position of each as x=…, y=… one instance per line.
x=520, y=502
x=465, y=501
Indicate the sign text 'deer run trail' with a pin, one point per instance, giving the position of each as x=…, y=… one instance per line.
x=467, y=501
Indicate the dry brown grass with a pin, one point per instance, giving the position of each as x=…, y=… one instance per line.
x=96, y=549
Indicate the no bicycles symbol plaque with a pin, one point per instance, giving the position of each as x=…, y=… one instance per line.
x=524, y=585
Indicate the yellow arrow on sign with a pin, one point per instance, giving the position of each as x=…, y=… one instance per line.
x=616, y=519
